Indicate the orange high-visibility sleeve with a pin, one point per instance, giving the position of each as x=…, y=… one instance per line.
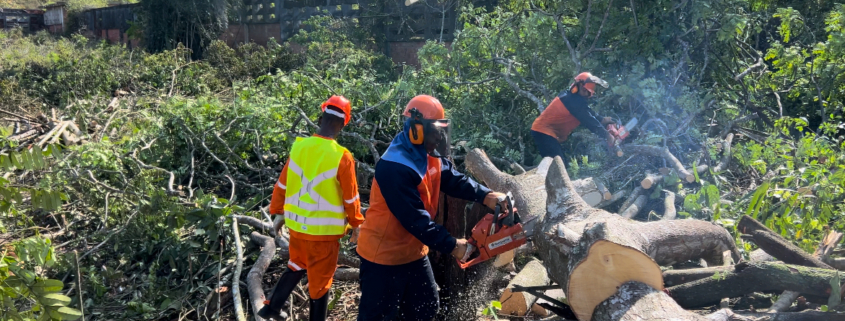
x=348, y=180
x=277, y=202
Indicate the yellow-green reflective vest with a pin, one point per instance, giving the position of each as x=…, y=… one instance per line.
x=313, y=198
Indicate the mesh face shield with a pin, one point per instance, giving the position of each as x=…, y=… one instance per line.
x=441, y=130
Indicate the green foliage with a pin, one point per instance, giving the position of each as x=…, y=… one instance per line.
x=26, y=294
x=492, y=308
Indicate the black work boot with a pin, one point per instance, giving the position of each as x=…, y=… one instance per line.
x=273, y=307
x=319, y=309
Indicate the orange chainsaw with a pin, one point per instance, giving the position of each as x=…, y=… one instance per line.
x=620, y=133
x=495, y=234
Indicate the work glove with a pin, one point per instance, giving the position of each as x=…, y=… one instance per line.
x=460, y=250
x=494, y=198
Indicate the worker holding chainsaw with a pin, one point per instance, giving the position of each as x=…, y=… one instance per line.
x=569, y=110
x=396, y=276
x=317, y=193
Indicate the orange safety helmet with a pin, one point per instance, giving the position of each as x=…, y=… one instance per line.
x=427, y=114
x=341, y=103
x=429, y=107
x=589, y=81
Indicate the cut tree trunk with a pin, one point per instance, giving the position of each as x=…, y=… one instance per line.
x=776, y=245
x=592, y=252
x=753, y=277
x=519, y=303
x=460, y=286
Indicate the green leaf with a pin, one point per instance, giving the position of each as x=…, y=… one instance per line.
x=824, y=308
x=757, y=200
x=47, y=286
x=38, y=157
x=54, y=300
x=496, y=304
x=56, y=151
x=6, y=162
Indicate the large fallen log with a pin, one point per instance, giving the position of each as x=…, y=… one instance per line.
x=776, y=245
x=528, y=187
x=676, y=277
x=519, y=303
x=592, y=252
x=751, y=277
x=822, y=252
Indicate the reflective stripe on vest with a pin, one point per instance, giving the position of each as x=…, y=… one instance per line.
x=313, y=197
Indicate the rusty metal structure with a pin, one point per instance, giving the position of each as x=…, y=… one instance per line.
x=29, y=20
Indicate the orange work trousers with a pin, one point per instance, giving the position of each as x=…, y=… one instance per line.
x=319, y=259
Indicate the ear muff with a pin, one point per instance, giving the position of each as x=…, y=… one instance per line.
x=575, y=88
x=416, y=134
x=416, y=131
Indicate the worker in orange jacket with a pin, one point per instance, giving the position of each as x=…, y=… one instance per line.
x=396, y=276
x=566, y=112
x=317, y=193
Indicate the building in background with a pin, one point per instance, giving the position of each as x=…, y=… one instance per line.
x=29, y=20
x=55, y=17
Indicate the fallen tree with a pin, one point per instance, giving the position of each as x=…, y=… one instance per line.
x=748, y=277
x=591, y=252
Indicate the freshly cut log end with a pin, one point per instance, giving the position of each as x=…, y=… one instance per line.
x=519, y=303
x=650, y=180
x=604, y=270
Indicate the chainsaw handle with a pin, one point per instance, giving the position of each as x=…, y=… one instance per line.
x=508, y=220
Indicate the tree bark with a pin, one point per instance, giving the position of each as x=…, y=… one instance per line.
x=677, y=277
x=349, y=274
x=591, y=252
x=636, y=301
x=631, y=198
x=776, y=245
x=669, y=211
x=613, y=199
x=635, y=208
x=256, y=274
x=651, y=180
x=519, y=303
x=665, y=154
x=753, y=277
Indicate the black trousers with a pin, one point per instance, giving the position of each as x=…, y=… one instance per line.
x=390, y=291
x=548, y=146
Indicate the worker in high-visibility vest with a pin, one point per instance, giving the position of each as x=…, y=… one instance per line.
x=317, y=193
